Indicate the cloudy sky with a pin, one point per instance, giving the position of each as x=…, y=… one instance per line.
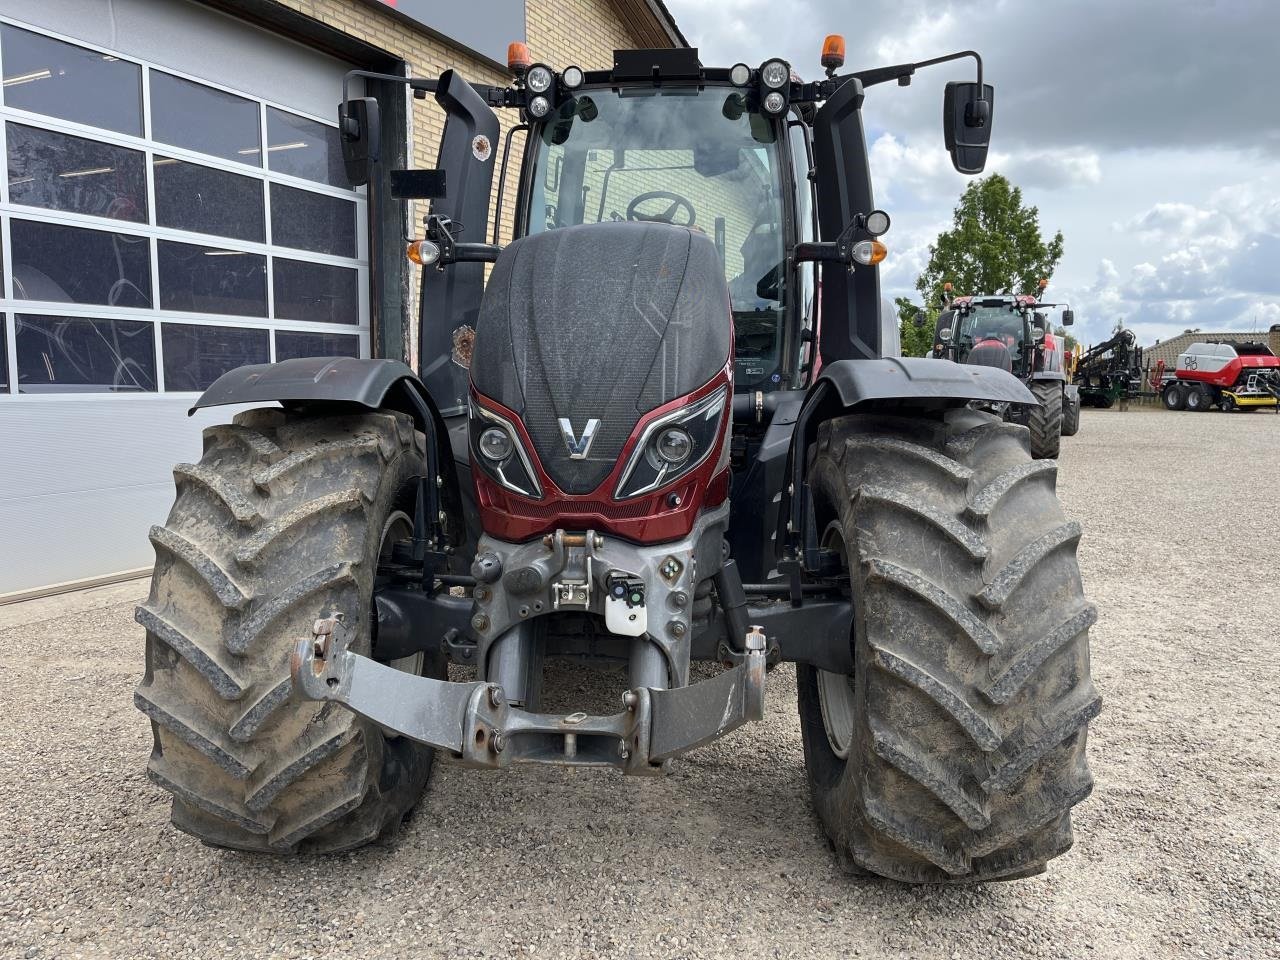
x=1148, y=131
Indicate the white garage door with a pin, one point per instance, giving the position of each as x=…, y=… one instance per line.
x=157, y=227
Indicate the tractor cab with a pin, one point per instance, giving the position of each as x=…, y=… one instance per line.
x=1014, y=333
x=706, y=157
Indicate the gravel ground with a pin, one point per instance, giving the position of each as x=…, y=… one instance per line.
x=1177, y=852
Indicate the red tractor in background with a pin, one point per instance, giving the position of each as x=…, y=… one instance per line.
x=1231, y=375
x=1013, y=333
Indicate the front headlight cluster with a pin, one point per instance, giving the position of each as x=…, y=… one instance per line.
x=497, y=450
x=672, y=446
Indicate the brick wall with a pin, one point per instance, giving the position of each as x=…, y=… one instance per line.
x=559, y=32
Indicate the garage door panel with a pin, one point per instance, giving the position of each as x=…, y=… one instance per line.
x=192, y=221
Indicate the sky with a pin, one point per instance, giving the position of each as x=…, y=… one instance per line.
x=1147, y=131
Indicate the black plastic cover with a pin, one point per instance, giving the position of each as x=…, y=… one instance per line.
x=602, y=321
x=921, y=378
x=348, y=379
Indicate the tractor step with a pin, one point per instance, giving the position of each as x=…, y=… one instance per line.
x=476, y=725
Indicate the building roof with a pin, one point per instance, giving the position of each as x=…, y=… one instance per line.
x=1168, y=350
x=652, y=21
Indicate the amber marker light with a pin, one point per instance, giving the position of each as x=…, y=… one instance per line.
x=833, y=52
x=423, y=252
x=518, y=59
x=869, y=252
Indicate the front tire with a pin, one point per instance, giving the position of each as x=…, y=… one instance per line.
x=962, y=748
x=1071, y=417
x=281, y=522
x=1174, y=397
x=1045, y=421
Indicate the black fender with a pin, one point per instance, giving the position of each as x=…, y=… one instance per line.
x=887, y=385
x=372, y=384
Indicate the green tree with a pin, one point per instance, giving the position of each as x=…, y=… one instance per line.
x=994, y=247
x=916, y=327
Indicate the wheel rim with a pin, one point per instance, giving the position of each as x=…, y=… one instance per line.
x=399, y=526
x=835, y=691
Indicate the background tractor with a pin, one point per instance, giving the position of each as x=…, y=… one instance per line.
x=1014, y=334
x=1232, y=376
x=1107, y=372
x=635, y=446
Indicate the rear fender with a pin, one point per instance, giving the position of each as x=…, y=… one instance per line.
x=367, y=384
x=915, y=385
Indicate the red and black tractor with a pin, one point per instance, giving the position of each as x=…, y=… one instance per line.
x=1015, y=334
x=661, y=431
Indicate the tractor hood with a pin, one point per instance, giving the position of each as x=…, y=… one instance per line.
x=599, y=322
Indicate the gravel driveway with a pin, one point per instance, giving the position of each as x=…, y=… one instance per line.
x=1177, y=852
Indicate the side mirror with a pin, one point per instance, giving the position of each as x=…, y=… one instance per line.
x=966, y=124
x=1068, y=318
x=360, y=128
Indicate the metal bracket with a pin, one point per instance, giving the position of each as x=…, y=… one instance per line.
x=476, y=725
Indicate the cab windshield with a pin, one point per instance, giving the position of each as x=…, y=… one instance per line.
x=694, y=158
x=992, y=323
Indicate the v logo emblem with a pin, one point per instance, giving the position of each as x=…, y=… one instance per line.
x=578, y=448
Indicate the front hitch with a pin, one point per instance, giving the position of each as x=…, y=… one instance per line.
x=476, y=726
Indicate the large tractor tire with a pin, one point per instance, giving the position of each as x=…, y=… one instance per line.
x=281, y=522
x=1071, y=416
x=956, y=749
x=1045, y=421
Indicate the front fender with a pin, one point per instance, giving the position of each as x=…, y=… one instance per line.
x=844, y=386
x=917, y=378
x=314, y=379
x=372, y=384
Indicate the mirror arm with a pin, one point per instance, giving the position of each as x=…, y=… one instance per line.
x=902, y=72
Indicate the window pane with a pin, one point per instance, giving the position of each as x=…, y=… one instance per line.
x=211, y=280
x=315, y=292
x=76, y=355
x=312, y=221
x=197, y=117
x=75, y=265
x=196, y=355
x=290, y=345
x=304, y=148
x=205, y=200
x=59, y=79
x=61, y=172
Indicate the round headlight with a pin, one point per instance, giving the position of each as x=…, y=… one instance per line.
x=774, y=74
x=538, y=79
x=572, y=77
x=774, y=102
x=739, y=74
x=877, y=223
x=495, y=444
x=673, y=446
x=539, y=106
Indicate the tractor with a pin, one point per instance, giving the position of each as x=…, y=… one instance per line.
x=1013, y=333
x=657, y=433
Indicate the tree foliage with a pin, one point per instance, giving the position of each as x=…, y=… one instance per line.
x=993, y=247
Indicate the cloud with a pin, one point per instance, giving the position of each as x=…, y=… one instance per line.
x=1145, y=129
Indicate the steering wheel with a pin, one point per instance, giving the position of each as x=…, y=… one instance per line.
x=666, y=216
